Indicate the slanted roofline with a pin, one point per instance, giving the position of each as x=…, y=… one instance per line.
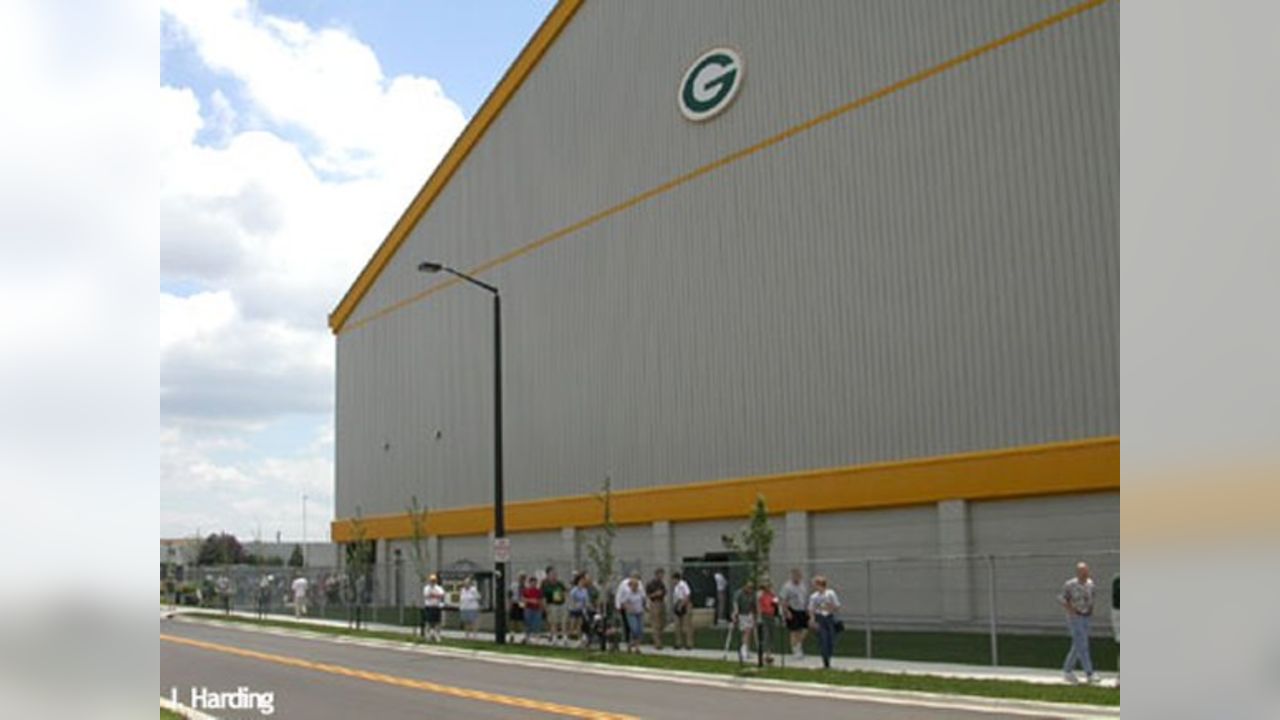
x=493, y=105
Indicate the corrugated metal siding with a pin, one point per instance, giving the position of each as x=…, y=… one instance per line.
x=898, y=532
x=934, y=273
x=1079, y=523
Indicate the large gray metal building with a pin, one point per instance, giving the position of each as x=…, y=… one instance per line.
x=879, y=287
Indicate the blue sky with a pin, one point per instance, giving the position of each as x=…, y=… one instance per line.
x=294, y=134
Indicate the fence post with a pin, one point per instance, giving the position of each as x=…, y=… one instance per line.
x=400, y=584
x=867, y=620
x=991, y=608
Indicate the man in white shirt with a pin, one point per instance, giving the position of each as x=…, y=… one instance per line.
x=432, y=608
x=682, y=608
x=299, y=587
x=795, y=610
x=722, y=597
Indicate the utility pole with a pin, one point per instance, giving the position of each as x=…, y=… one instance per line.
x=304, y=530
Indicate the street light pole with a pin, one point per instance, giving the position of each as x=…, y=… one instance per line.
x=304, y=530
x=499, y=523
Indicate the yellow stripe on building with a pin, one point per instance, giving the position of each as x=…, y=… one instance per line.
x=1091, y=465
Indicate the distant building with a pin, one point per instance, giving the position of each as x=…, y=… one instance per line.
x=185, y=551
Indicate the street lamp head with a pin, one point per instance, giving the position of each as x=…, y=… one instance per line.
x=429, y=267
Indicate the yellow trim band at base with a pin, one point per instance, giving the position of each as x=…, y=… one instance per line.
x=1061, y=468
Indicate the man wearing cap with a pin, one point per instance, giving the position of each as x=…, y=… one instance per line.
x=432, y=608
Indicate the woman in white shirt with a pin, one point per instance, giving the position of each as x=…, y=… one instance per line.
x=469, y=606
x=823, y=606
x=633, y=603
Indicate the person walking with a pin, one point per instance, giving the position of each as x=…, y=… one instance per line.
x=794, y=602
x=469, y=607
x=631, y=601
x=432, y=608
x=554, y=595
x=579, y=605
x=299, y=586
x=823, y=606
x=533, y=603
x=1077, y=599
x=744, y=618
x=682, y=608
x=656, y=590
x=722, y=598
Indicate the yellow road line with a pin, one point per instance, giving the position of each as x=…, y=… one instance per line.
x=425, y=686
x=733, y=157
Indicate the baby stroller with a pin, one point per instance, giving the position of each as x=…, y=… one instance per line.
x=603, y=631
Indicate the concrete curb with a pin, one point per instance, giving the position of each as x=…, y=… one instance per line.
x=910, y=698
x=1040, y=676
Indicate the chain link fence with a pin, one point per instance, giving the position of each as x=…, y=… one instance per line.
x=977, y=609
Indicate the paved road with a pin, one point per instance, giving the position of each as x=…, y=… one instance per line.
x=318, y=679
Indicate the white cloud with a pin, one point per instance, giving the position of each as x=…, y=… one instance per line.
x=241, y=495
x=218, y=365
x=279, y=179
x=185, y=465
x=322, y=81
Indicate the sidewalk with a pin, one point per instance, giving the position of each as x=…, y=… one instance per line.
x=906, y=667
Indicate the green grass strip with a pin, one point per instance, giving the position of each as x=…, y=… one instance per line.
x=1007, y=689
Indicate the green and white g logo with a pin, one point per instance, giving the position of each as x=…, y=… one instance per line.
x=710, y=84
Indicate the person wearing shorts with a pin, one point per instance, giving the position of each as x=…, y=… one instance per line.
x=554, y=595
x=469, y=606
x=794, y=601
x=579, y=602
x=432, y=608
x=532, y=601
